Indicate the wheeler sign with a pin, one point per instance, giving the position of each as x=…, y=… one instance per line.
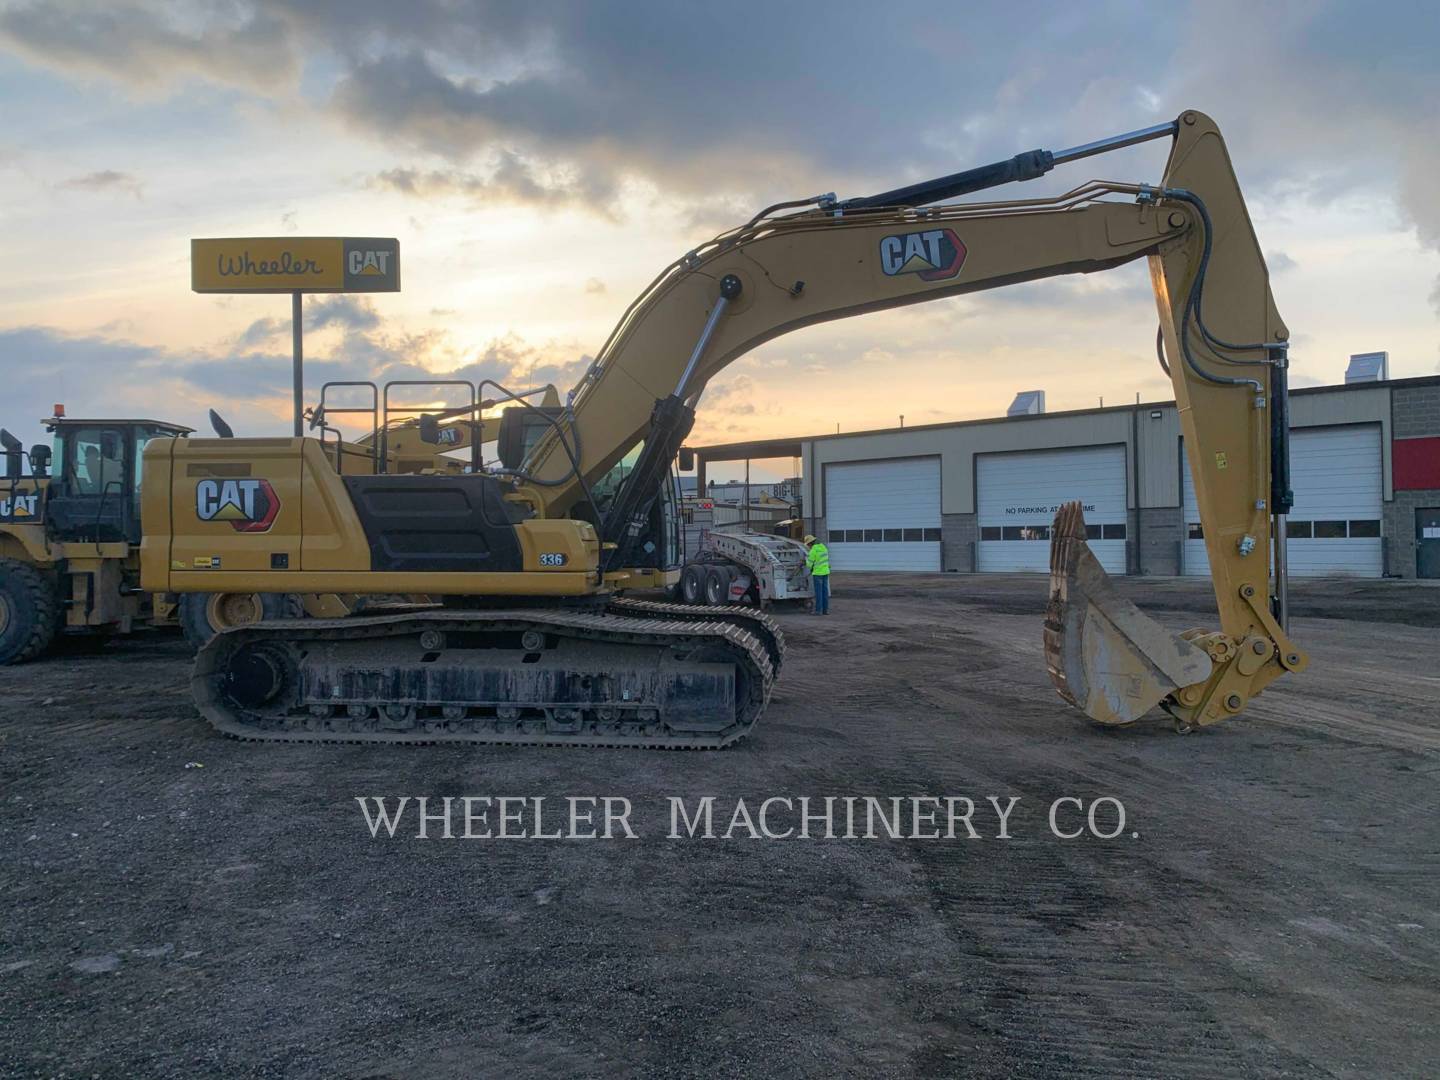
x=282, y=264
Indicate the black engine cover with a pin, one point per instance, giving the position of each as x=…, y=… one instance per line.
x=436, y=523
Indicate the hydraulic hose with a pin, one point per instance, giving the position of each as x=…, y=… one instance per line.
x=1192, y=302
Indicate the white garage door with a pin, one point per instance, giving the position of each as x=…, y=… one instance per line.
x=1019, y=494
x=1335, y=473
x=883, y=515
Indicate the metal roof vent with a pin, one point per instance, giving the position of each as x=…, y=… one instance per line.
x=1368, y=367
x=1027, y=403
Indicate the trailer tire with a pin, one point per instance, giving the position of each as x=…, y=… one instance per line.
x=717, y=585
x=692, y=584
x=30, y=612
x=203, y=615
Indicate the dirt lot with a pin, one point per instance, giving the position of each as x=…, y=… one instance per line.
x=1271, y=908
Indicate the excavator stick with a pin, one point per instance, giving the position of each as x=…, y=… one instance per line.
x=1106, y=658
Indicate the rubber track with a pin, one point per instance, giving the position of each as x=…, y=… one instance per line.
x=757, y=622
x=747, y=648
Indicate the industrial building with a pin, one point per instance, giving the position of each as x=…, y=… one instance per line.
x=978, y=496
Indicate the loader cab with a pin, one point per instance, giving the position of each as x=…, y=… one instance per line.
x=94, y=491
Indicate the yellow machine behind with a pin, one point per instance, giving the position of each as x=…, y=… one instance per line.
x=531, y=554
x=70, y=528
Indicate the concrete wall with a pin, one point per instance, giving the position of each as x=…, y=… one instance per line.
x=958, y=533
x=1415, y=410
x=815, y=526
x=1158, y=438
x=1415, y=413
x=1399, y=528
x=1160, y=534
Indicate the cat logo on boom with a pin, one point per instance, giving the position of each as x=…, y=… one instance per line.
x=933, y=254
x=248, y=505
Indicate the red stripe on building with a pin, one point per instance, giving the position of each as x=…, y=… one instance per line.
x=1416, y=463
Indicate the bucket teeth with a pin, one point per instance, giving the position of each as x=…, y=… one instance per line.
x=1106, y=658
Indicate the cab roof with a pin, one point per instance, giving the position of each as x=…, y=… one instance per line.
x=75, y=421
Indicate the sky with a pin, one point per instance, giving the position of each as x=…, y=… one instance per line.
x=540, y=163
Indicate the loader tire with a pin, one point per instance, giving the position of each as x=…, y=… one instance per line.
x=30, y=612
x=203, y=615
x=692, y=584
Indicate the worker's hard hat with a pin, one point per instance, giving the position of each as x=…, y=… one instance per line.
x=809, y=539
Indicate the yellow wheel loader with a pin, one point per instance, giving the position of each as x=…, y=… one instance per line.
x=535, y=641
x=69, y=535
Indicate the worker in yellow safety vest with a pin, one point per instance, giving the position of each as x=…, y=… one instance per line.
x=817, y=561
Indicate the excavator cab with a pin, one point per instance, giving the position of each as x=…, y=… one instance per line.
x=94, y=494
x=521, y=427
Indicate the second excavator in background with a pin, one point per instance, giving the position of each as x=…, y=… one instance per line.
x=532, y=555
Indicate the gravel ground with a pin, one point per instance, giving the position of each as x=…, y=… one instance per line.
x=178, y=904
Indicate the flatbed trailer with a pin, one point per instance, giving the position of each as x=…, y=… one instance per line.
x=741, y=566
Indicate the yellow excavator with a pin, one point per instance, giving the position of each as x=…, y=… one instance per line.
x=535, y=641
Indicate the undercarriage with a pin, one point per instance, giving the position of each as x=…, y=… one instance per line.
x=637, y=674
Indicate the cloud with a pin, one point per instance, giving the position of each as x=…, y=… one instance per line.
x=594, y=286
x=1279, y=262
x=105, y=180
x=258, y=333
x=696, y=102
x=248, y=378
x=691, y=113
x=149, y=46
x=346, y=312
x=511, y=180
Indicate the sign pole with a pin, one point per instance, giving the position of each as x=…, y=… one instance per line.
x=299, y=335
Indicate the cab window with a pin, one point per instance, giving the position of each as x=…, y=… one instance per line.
x=608, y=485
x=95, y=464
x=142, y=436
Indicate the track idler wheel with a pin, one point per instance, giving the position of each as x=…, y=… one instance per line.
x=256, y=674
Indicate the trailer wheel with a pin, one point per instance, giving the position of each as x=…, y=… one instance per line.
x=203, y=615
x=692, y=584
x=30, y=612
x=717, y=585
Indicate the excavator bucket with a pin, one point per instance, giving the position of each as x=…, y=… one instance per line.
x=1107, y=659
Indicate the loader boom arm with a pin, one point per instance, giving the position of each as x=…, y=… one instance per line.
x=1222, y=334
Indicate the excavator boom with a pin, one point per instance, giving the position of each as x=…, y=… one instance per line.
x=1219, y=324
